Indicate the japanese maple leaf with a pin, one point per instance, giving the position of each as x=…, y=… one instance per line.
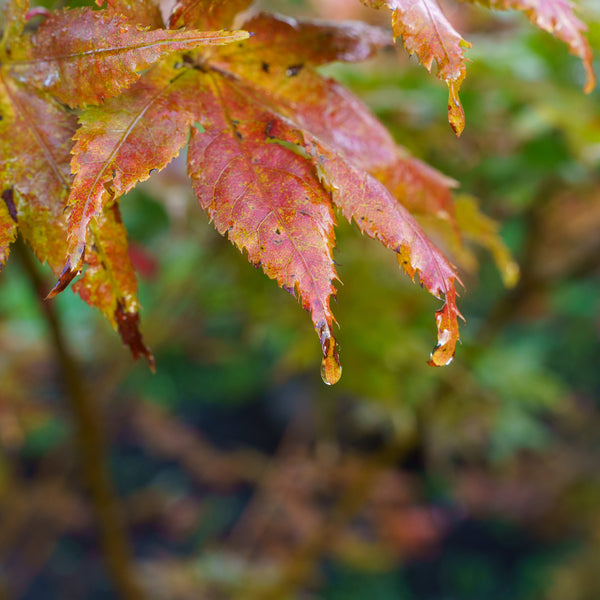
x=427, y=33
x=64, y=60
x=82, y=56
x=35, y=181
x=274, y=148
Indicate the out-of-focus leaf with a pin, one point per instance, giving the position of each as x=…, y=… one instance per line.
x=420, y=188
x=567, y=240
x=483, y=230
x=84, y=57
x=13, y=20
x=558, y=18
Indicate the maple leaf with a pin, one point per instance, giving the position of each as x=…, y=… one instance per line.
x=274, y=147
x=427, y=33
x=35, y=181
x=352, y=146
x=324, y=107
x=255, y=110
x=558, y=18
x=377, y=213
x=83, y=57
x=34, y=174
x=119, y=144
x=109, y=282
x=268, y=199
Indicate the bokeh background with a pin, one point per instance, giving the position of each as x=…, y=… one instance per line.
x=239, y=475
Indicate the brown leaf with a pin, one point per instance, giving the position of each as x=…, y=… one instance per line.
x=288, y=44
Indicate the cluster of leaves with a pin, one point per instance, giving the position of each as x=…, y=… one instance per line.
x=93, y=101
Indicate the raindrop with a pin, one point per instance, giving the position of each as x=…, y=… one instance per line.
x=331, y=369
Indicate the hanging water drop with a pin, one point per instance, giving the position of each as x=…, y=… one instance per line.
x=331, y=369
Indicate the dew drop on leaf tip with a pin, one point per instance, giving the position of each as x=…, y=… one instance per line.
x=440, y=358
x=331, y=369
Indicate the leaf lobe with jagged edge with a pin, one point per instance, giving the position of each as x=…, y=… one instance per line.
x=427, y=33
x=268, y=200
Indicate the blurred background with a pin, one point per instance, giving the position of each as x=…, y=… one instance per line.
x=239, y=475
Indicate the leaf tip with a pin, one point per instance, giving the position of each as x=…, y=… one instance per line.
x=128, y=325
x=67, y=275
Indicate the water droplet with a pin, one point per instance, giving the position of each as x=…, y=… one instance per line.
x=444, y=337
x=331, y=369
x=441, y=356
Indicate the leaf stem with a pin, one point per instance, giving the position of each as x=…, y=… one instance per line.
x=90, y=444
